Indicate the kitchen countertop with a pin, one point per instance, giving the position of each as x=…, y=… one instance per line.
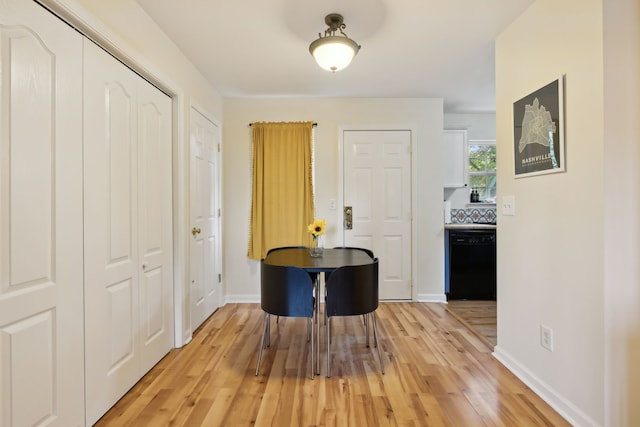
x=470, y=226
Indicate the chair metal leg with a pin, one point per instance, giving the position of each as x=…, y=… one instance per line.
x=366, y=328
x=375, y=336
x=312, y=350
x=263, y=343
x=268, y=341
x=375, y=340
x=330, y=334
x=325, y=305
x=317, y=323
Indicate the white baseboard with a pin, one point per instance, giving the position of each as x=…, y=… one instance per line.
x=431, y=298
x=566, y=409
x=231, y=299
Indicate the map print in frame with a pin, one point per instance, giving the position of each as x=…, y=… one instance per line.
x=538, y=131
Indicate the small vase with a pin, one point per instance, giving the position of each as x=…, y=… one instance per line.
x=317, y=247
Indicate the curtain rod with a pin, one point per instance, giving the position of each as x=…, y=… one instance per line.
x=314, y=125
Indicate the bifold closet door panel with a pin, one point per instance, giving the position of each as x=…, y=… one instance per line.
x=155, y=229
x=128, y=228
x=41, y=307
x=110, y=230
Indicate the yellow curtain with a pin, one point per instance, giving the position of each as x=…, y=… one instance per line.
x=282, y=199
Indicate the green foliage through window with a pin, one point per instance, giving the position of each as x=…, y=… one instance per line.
x=482, y=169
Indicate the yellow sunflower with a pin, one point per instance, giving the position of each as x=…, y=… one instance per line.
x=317, y=228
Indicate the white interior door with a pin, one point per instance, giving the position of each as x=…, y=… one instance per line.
x=41, y=329
x=111, y=244
x=205, y=231
x=127, y=219
x=377, y=187
x=155, y=225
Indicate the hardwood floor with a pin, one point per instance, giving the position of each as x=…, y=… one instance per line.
x=479, y=316
x=437, y=373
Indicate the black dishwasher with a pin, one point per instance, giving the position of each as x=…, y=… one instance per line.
x=472, y=264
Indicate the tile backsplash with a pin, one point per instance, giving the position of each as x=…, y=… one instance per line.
x=473, y=215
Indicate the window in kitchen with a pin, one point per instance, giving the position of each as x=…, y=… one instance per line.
x=482, y=169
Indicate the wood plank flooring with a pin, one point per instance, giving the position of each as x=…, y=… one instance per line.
x=479, y=316
x=437, y=373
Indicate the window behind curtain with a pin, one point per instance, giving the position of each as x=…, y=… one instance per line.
x=282, y=196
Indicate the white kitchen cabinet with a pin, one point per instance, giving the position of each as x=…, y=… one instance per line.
x=455, y=158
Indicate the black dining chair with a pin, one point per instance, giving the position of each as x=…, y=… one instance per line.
x=352, y=291
x=289, y=292
x=367, y=251
x=314, y=276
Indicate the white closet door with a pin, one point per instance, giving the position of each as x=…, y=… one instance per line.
x=128, y=271
x=41, y=327
x=155, y=224
x=110, y=231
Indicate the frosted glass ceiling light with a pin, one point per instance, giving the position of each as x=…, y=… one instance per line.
x=333, y=52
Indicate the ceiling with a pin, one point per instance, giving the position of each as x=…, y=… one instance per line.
x=410, y=48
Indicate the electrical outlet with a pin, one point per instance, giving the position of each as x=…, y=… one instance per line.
x=332, y=204
x=546, y=337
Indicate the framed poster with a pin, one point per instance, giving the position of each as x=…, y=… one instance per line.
x=538, y=131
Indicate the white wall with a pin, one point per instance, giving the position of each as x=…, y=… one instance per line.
x=126, y=30
x=479, y=126
x=622, y=205
x=424, y=115
x=551, y=253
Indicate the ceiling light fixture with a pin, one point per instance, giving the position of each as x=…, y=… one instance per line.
x=334, y=52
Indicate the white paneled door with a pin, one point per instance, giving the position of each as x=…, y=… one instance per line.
x=205, y=230
x=377, y=188
x=41, y=323
x=155, y=224
x=127, y=228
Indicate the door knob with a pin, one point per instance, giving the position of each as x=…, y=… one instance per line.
x=195, y=231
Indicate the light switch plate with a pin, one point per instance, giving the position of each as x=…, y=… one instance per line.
x=332, y=204
x=508, y=205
